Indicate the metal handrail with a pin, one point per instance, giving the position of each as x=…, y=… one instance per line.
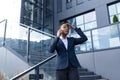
x=33, y=67
x=3, y=20
x=40, y=63
x=37, y=30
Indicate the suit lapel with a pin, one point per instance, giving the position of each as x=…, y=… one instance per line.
x=61, y=42
x=68, y=43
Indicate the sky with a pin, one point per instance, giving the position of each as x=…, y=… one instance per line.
x=10, y=9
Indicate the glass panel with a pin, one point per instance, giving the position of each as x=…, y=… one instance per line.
x=82, y=27
x=16, y=38
x=112, y=10
x=118, y=7
x=90, y=25
x=72, y=21
x=2, y=27
x=111, y=19
x=79, y=20
x=87, y=46
x=85, y=22
x=107, y=39
x=119, y=17
x=39, y=44
x=91, y=16
x=48, y=70
x=69, y=5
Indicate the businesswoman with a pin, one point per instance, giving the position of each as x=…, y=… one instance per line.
x=66, y=63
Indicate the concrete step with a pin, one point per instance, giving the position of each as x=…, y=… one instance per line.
x=81, y=73
x=90, y=77
x=82, y=69
x=101, y=79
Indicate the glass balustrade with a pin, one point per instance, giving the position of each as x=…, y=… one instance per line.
x=48, y=70
x=39, y=44
x=16, y=38
x=107, y=37
x=25, y=43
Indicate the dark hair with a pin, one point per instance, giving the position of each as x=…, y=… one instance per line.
x=63, y=22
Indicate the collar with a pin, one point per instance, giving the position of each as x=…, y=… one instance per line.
x=62, y=37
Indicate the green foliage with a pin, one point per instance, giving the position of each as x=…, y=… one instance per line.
x=115, y=19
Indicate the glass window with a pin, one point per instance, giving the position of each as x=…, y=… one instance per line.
x=91, y=16
x=114, y=9
x=90, y=25
x=107, y=37
x=87, y=46
x=79, y=20
x=68, y=4
x=85, y=22
x=118, y=7
x=68, y=1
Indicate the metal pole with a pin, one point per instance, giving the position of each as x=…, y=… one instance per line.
x=28, y=46
x=37, y=73
x=5, y=32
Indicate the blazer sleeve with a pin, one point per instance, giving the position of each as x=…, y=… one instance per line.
x=53, y=44
x=82, y=38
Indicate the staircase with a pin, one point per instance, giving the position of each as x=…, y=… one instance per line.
x=37, y=51
x=85, y=74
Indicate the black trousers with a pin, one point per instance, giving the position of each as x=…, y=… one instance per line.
x=70, y=73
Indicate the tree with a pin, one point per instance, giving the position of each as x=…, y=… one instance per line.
x=115, y=19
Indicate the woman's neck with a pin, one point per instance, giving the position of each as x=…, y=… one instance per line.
x=64, y=36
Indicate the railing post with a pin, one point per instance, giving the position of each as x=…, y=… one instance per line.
x=28, y=46
x=5, y=32
x=37, y=73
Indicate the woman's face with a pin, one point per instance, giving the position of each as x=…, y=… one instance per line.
x=65, y=29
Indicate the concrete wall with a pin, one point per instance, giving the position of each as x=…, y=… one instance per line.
x=105, y=63
x=11, y=64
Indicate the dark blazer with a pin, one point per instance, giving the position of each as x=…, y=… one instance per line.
x=65, y=55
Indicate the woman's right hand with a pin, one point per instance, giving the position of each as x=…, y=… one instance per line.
x=59, y=32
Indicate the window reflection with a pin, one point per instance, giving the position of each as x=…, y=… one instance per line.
x=85, y=22
x=16, y=38
x=79, y=20
x=112, y=10
x=39, y=44
x=107, y=37
x=87, y=46
x=91, y=16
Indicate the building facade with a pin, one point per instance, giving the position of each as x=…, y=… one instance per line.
x=99, y=19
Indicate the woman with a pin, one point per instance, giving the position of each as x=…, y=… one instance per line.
x=66, y=64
